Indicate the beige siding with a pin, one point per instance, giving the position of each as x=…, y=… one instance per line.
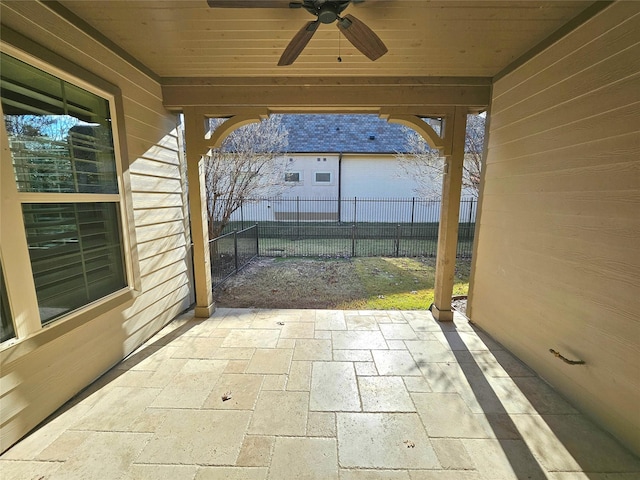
x=38, y=379
x=558, y=259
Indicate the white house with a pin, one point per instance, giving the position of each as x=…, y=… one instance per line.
x=345, y=158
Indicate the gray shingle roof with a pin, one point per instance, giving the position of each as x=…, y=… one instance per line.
x=352, y=133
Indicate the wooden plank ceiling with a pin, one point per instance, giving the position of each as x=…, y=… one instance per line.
x=187, y=38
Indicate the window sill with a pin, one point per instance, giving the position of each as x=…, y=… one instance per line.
x=13, y=349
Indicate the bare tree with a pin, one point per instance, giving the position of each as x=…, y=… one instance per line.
x=249, y=164
x=426, y=166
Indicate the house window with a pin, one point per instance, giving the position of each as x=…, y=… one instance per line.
x=293, y=177
x=61, y=142
x=323, y=177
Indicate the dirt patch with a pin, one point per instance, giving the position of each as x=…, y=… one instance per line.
x=363, y=283
x=291, y=283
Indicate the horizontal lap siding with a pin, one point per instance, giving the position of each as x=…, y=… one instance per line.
x=51, y=374
x=557, y=263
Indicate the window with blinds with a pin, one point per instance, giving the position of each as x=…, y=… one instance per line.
x=61, y=143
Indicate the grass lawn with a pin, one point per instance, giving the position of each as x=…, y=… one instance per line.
x=400, y=283
x=362, y=283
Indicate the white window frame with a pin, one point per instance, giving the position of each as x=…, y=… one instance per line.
x=294, y=182
x=315, y=176
x=14, y=251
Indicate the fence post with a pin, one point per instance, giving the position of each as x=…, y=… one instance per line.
x=413, y=208
x=298, y=217
x=257, y=240
x=353, y=240
x=398, y=240
x=355, y=210
x=235, y=248
x=242, y=214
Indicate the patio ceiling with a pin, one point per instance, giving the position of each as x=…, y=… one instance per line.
x=424, y=38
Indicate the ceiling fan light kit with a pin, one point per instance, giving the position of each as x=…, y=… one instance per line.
x=326, y=11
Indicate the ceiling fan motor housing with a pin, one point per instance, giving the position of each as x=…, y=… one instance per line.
x=326, y=11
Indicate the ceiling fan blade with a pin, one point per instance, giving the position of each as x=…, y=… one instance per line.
x=362, y=37
x=249, y=3
x=297, y=43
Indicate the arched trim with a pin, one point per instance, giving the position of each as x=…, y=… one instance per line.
x=231, y=124
x=419, y=125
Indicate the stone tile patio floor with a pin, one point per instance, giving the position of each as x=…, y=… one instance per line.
x=317, y=394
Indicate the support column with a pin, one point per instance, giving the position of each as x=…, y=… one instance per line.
x=454, y=136
x=196, y=148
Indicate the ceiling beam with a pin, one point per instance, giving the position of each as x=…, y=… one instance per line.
x=398, y=95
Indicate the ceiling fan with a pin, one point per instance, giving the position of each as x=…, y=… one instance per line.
x=327, y=11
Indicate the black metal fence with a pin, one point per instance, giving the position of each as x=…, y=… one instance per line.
x=231, y=252
x=369, y=227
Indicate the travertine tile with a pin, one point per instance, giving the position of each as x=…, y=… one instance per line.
x=236, y=366
x=197, y=437
x=437, y=378
x=535, y=396
x=64, y=446
x=361, y=322
x=330, y=320
x=445, y=475
x=323, y=334
x=161, y=472
x=270, y=361
x=150, y=378
x=384, y=440
x=191, y=387
x=236, y=322
x=352, y=356
x=233, y=353
x=304, y=458
x=286, y=343
x=446, y=415
x=312, y=349
x=274, y=382
x=384, y=394
x=452, y=454
x=416, y=384
x=397, y=331
x=365, y=368
x=321, y=424
x=220, y=332
x=117, y=409
x=334, y=387
x=396, y=345
x=300, y=376
x=358, y=340
x=255, y=451
x=198, y=347
x=240, y=389
x=374, y=475
x=395, y=362
x=429, y=351
x=265, y=323
x=252, y=338
x=503, y=459
x=102, y=455
x=147, y=358
x=298, y=330
x=32, y=445
x=480, y=414
x=19, y=469
x=280, y=413
x=572, y=443
x=231, y=473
